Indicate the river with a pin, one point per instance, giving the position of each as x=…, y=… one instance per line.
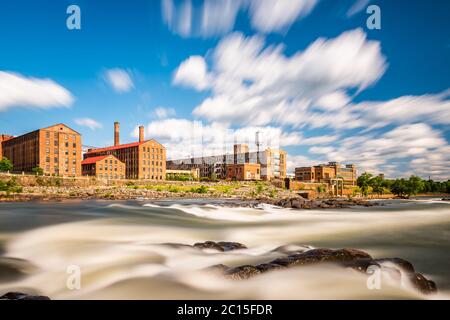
x=122, y=251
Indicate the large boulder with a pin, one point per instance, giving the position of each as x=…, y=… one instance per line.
x=22, y=296
x=220, y=246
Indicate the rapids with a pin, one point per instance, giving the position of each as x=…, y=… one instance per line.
x=122, y=248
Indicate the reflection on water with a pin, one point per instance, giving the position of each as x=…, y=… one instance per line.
x=123, y=252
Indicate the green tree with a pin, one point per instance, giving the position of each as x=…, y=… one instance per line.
x=399, y=187
x=38, y=171
x=363, y=182
x=377, y=185
x=414, y=185
x=5, y=165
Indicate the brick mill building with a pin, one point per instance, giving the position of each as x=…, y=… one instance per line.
x=55, y=149
x=244, y=171
x=324, y=173
x=145, y=159
x=103, y=167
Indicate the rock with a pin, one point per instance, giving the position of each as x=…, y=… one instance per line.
x=208, y=245
x=220, y=246
x=265, y=267
x=361, y=265
x=22, y=296
x=398, y=263
x=228, y=246
x=422, y=284
x=221, y=268
x=322, y=255
x=242, y=272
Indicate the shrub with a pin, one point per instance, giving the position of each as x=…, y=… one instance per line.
x=5, y=165
x=38, y=171
x=201, y=189
x=10, y=186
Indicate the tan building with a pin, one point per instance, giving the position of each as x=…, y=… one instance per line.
x=103, y=167
x=145, y=159
x=55, y=149
x=272, y=163
x=193, y=174
x=244, y=171
x=324, y=173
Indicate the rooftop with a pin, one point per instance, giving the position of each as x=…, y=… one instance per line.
x=93, y=159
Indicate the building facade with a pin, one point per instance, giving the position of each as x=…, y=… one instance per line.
x=272, y=163
x=244, y=171
x=55, y=149
x=103, y=167
x=145, y=159
x=325, y=173
x=3, y=137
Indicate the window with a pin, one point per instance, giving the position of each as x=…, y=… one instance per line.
x=47, y=150
x=47, y=159
x=47, y=142
x=56, y=159
x=74, y=145
x=55, y=143
x=47, y=134
x=67, y=144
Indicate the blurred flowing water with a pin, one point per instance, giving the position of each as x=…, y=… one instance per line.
x=123, y=251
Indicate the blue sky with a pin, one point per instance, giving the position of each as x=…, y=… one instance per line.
x=200, y=75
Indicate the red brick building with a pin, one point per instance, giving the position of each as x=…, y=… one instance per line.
x=103, y=167
x=144, y=159
x=55, y=149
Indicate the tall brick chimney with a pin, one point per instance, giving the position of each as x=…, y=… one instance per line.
x=141, y=134
x=116, y=134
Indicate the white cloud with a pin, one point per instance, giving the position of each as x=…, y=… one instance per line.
x=17, y=90
x=119, y=79
x=185, y=138
x=178, y=17
x=192, y=73
x=407, y=149
x=162, y=113
x=358, y=6
x=276, y=15
x=433, y=109
x=255, y=85
x=217, y=17
x=88, y=122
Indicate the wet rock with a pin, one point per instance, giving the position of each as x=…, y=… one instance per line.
x=361, y=265
x=422, y=284
x=242, y=272
x=221, y=268
x=220, y=246
x=265, y=267
x=21, y=296
x=322, y=255
x=228, y=246
x=399, y=263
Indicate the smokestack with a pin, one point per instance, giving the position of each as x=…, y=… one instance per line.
x=116, y=134
x=141, y=134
